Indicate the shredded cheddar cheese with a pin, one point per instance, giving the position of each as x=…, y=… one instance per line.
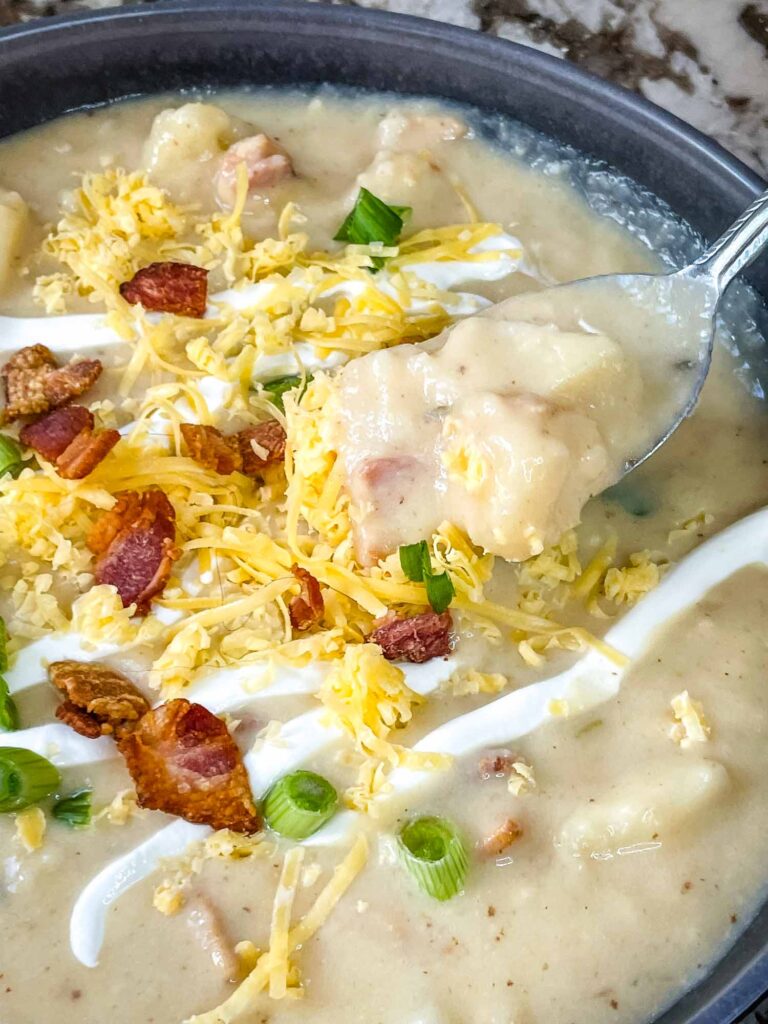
x=242, y=999
x=30, y=828
x=690, y=725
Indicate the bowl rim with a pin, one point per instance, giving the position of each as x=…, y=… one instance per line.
x=748, y=980
x=330, y=17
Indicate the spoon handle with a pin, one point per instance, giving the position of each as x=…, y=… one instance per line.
x=735, y=249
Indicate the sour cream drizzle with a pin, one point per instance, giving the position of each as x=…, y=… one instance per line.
x=593, y=680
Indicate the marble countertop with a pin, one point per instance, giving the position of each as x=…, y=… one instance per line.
x=704, y=60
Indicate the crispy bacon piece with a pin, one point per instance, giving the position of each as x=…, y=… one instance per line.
x=35, y=383
x=307, y=607
x=66, y=438
x=261, y=446
x=183, y=761
x=249, y=451
x=99, y=700
x=135, y=546
x=169, y=288
x=266, y=165
x=502, y=837
x=418, y=638
x=211, y=448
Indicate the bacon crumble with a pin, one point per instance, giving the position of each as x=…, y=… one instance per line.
x=35, y=383
x=183, y=761
x=66, y=437
x=135, y=545
x=249, y=451
x=99, y=701
x=501, y=838
x=417, y=639
x=178, y=288
x=496, y=766
x=307, y=607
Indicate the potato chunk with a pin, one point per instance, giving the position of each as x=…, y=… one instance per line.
x=14, y=216
x=644, y=808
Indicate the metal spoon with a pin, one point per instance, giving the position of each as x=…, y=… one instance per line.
x=666, y=322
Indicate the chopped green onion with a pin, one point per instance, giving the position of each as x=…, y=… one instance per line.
x=25, y=778
x=3, y=645
x=417, y=566
x=10, y=456
x=299, y=804
x=9, y=716
x=75, y=809
x=372, y=220
x=280, y=385
x=439, y=591
x=415, y=561
x=433, y=852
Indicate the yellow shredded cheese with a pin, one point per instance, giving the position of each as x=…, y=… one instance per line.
x=242, y=1000
x=282, y=909
x=30, y=828
x=690, y=725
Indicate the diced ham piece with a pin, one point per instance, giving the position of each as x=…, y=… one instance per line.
x=99, y=700
x=66, y=438
x=135, y=545
x=169, y=288
x=501, y=838
x=306, y=608
x=418, y=638
x=249, y=451
x=266, y=164
x=35, y=383
x=183, y=761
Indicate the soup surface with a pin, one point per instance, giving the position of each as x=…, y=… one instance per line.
x=277, y=459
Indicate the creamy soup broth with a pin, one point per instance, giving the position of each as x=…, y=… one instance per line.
x=555, y=928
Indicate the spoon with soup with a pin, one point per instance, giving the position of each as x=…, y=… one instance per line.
x=665, y=322
x=508, y=422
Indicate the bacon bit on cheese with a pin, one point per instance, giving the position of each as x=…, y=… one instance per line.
x=184, y=761
x=99, y=700
x=418, y=638
x=35, y=383
x=691, y=725
x=249, y=451
x=501, y=838
x=169, y=288
x=306, y=608
x=66, y=437
x=135, y=546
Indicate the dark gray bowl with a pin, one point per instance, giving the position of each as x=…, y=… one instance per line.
x=49, y=67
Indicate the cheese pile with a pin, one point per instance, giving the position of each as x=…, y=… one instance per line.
x=228, y=600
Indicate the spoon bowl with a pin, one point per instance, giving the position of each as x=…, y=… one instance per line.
x=664, y=324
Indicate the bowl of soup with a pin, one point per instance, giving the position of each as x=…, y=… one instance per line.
x=344, y=676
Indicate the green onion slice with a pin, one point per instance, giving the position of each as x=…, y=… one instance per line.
x=281, y=385
x=372, y=220
x=417, y=566
x=415, y=561
x=433, y=852
x=10, y=456
x=74, y=810
x=9, y=715
x=299, y=804
x=439, y=591
x=25, y=778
